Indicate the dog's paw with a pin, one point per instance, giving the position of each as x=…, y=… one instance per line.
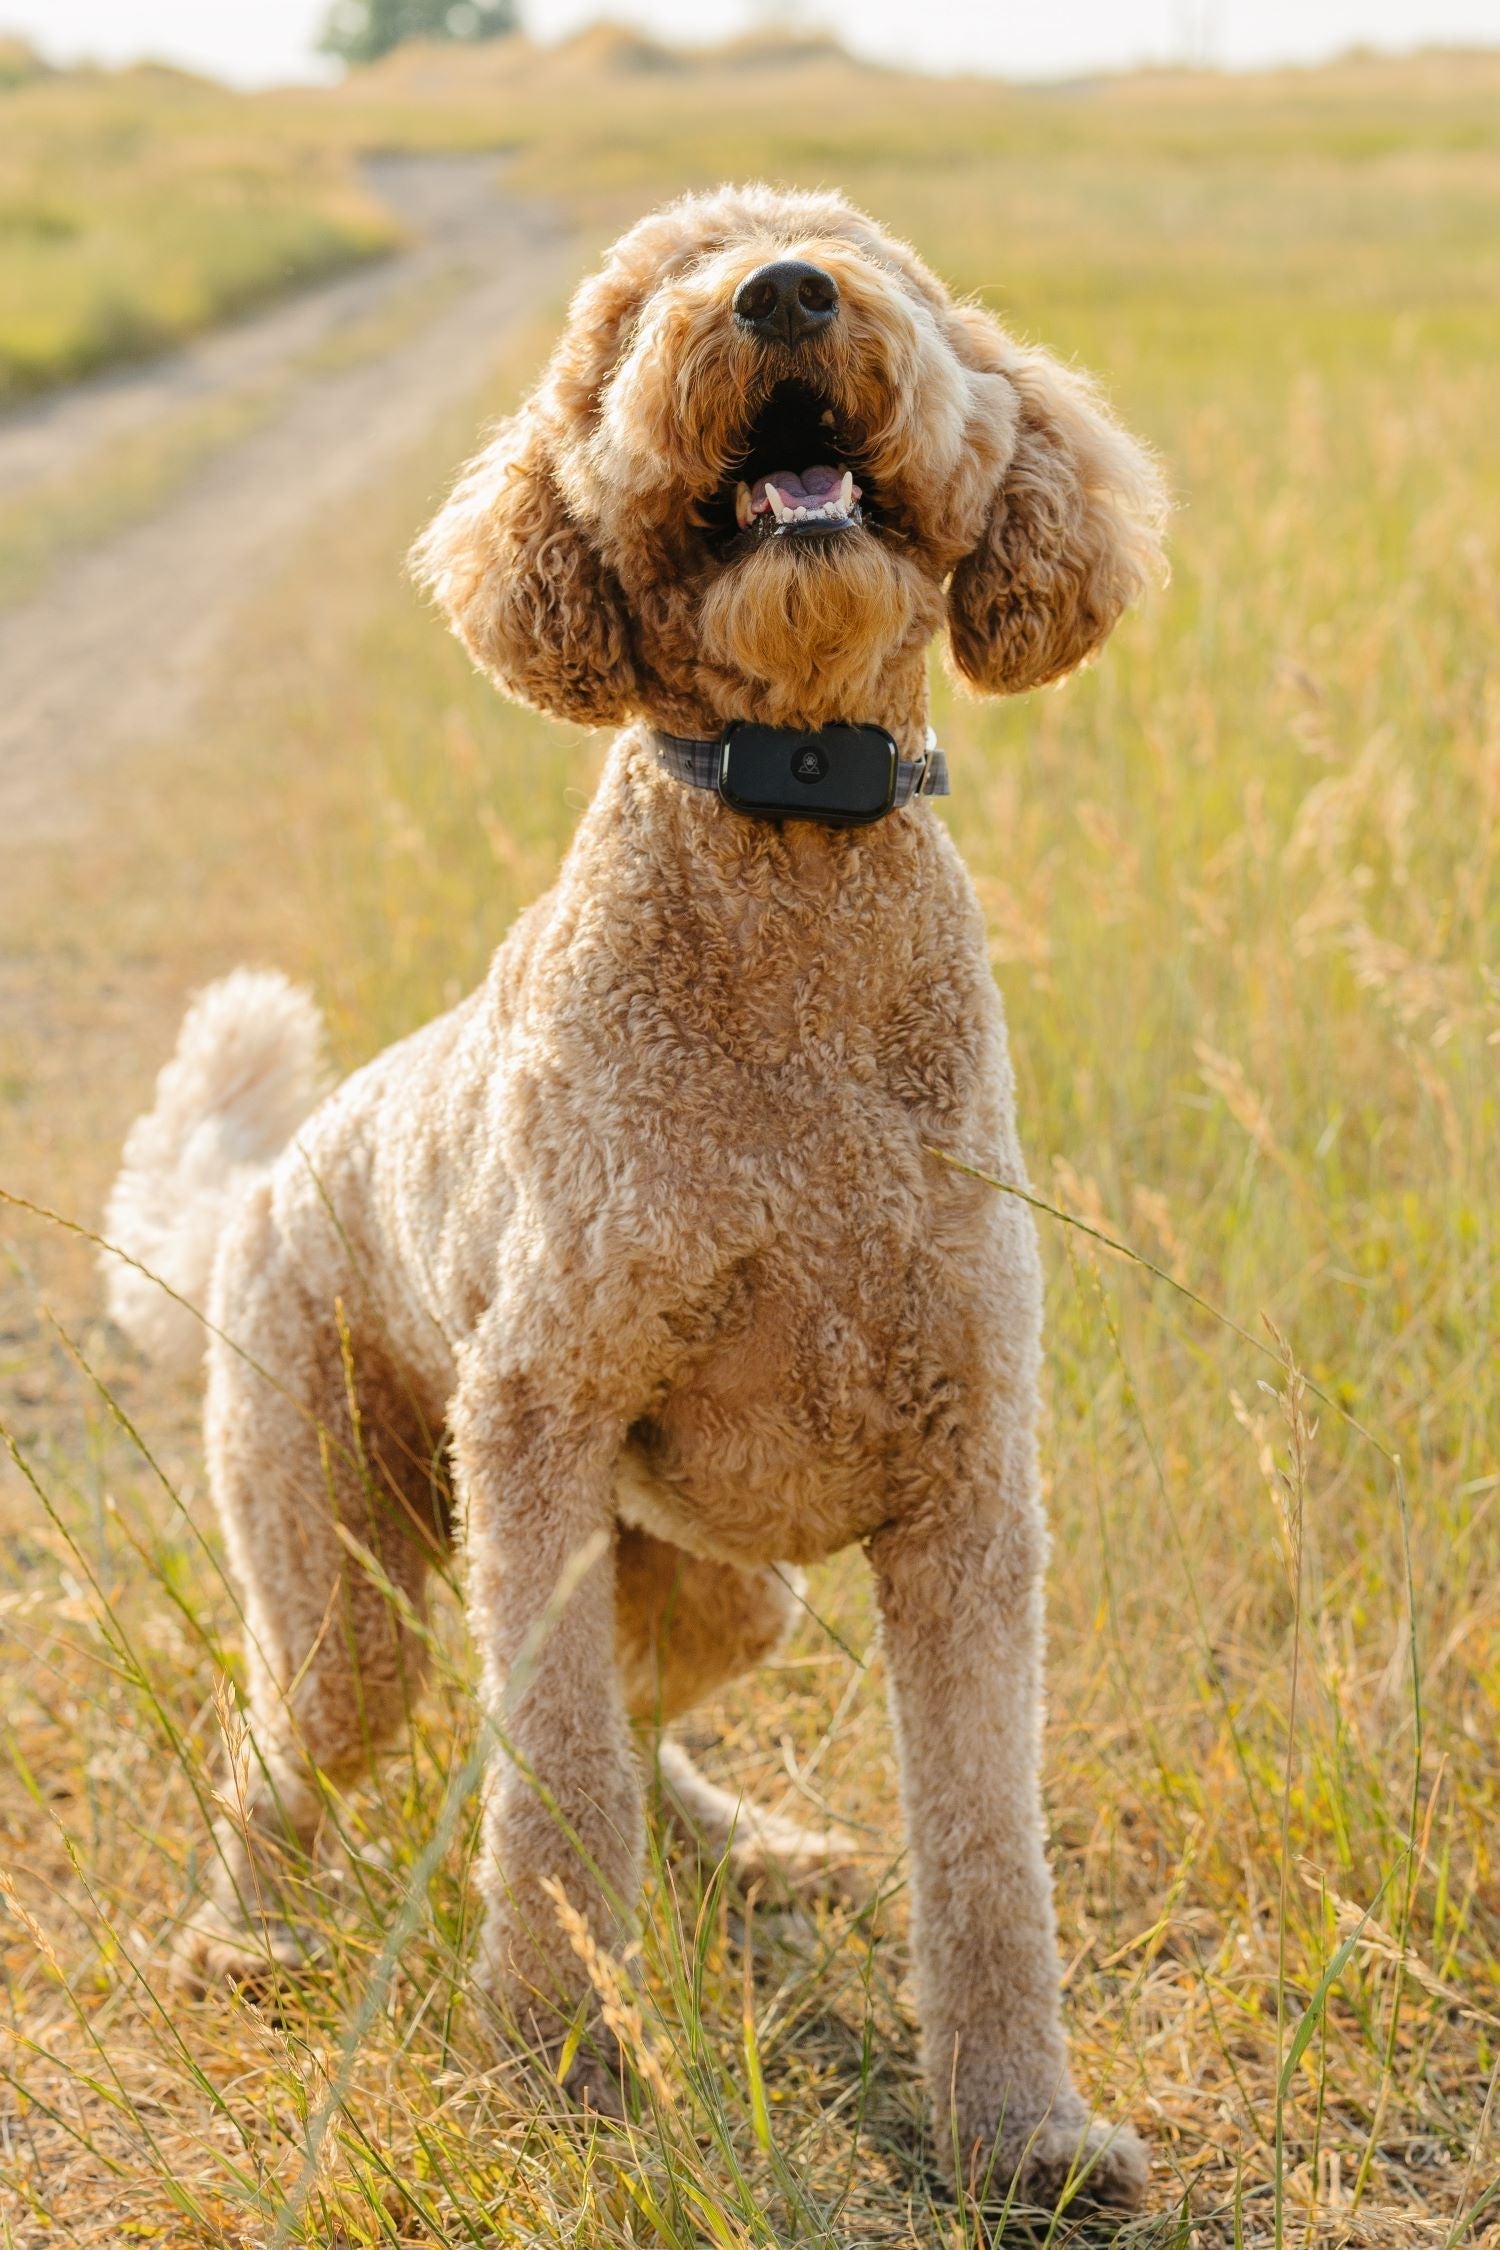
x=252, y=1952
x=1065, y=2163
x=761, y=1847
x=1060, y=2163
x=593, y=2088
x=813, y=1862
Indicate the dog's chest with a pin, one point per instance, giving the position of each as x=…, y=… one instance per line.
x=796, y=1420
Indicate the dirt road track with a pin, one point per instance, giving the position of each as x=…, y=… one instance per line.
x=114, y=646
x=105, y=662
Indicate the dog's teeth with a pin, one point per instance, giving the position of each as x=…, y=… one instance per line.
x=804, y=515
x=826, y=417
x=744, y=507
x=846, y=492
x=779, y=507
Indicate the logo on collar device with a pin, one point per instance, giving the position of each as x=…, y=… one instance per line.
x=844, y=776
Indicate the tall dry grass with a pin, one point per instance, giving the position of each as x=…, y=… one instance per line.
x=1240, y=881
x=140, y=206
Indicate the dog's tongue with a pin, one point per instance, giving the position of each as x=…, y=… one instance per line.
x=809, y=490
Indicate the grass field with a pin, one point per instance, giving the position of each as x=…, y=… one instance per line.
x=139, y=206
x=1241, y=881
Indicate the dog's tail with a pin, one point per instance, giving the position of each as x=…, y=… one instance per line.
x=248, y=1068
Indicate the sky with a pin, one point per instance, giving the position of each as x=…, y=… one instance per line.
x=254, y=42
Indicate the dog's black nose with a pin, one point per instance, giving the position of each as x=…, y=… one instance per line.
x=787, y=300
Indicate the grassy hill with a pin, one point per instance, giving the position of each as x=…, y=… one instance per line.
x=139, y=206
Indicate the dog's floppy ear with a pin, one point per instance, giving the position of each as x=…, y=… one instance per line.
x=1073, y=533
x=523, y=585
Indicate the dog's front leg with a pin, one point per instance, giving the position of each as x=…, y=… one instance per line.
x=961, y=1605
x=563, y=1817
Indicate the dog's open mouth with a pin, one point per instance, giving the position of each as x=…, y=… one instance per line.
x=795, y=478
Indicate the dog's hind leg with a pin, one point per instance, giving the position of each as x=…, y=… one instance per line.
x=333, y=1506
x=685, y=1627
x=760, y=1846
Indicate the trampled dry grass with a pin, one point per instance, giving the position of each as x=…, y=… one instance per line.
x=1241, y=881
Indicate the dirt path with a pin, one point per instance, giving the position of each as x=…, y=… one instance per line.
x=112, y=648
x=269, y=429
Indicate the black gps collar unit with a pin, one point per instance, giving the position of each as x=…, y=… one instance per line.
x=844, y=776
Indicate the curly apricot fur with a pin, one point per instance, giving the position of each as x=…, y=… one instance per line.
x=645, y=1235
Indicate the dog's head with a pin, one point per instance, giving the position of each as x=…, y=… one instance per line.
x=767, y=455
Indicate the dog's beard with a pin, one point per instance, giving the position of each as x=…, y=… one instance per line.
x=814, y=626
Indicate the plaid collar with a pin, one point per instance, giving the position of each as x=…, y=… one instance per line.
x=696, y=761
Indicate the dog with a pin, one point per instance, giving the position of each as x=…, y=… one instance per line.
x=645, y=1244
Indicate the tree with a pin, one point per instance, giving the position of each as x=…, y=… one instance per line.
x=358, y=31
